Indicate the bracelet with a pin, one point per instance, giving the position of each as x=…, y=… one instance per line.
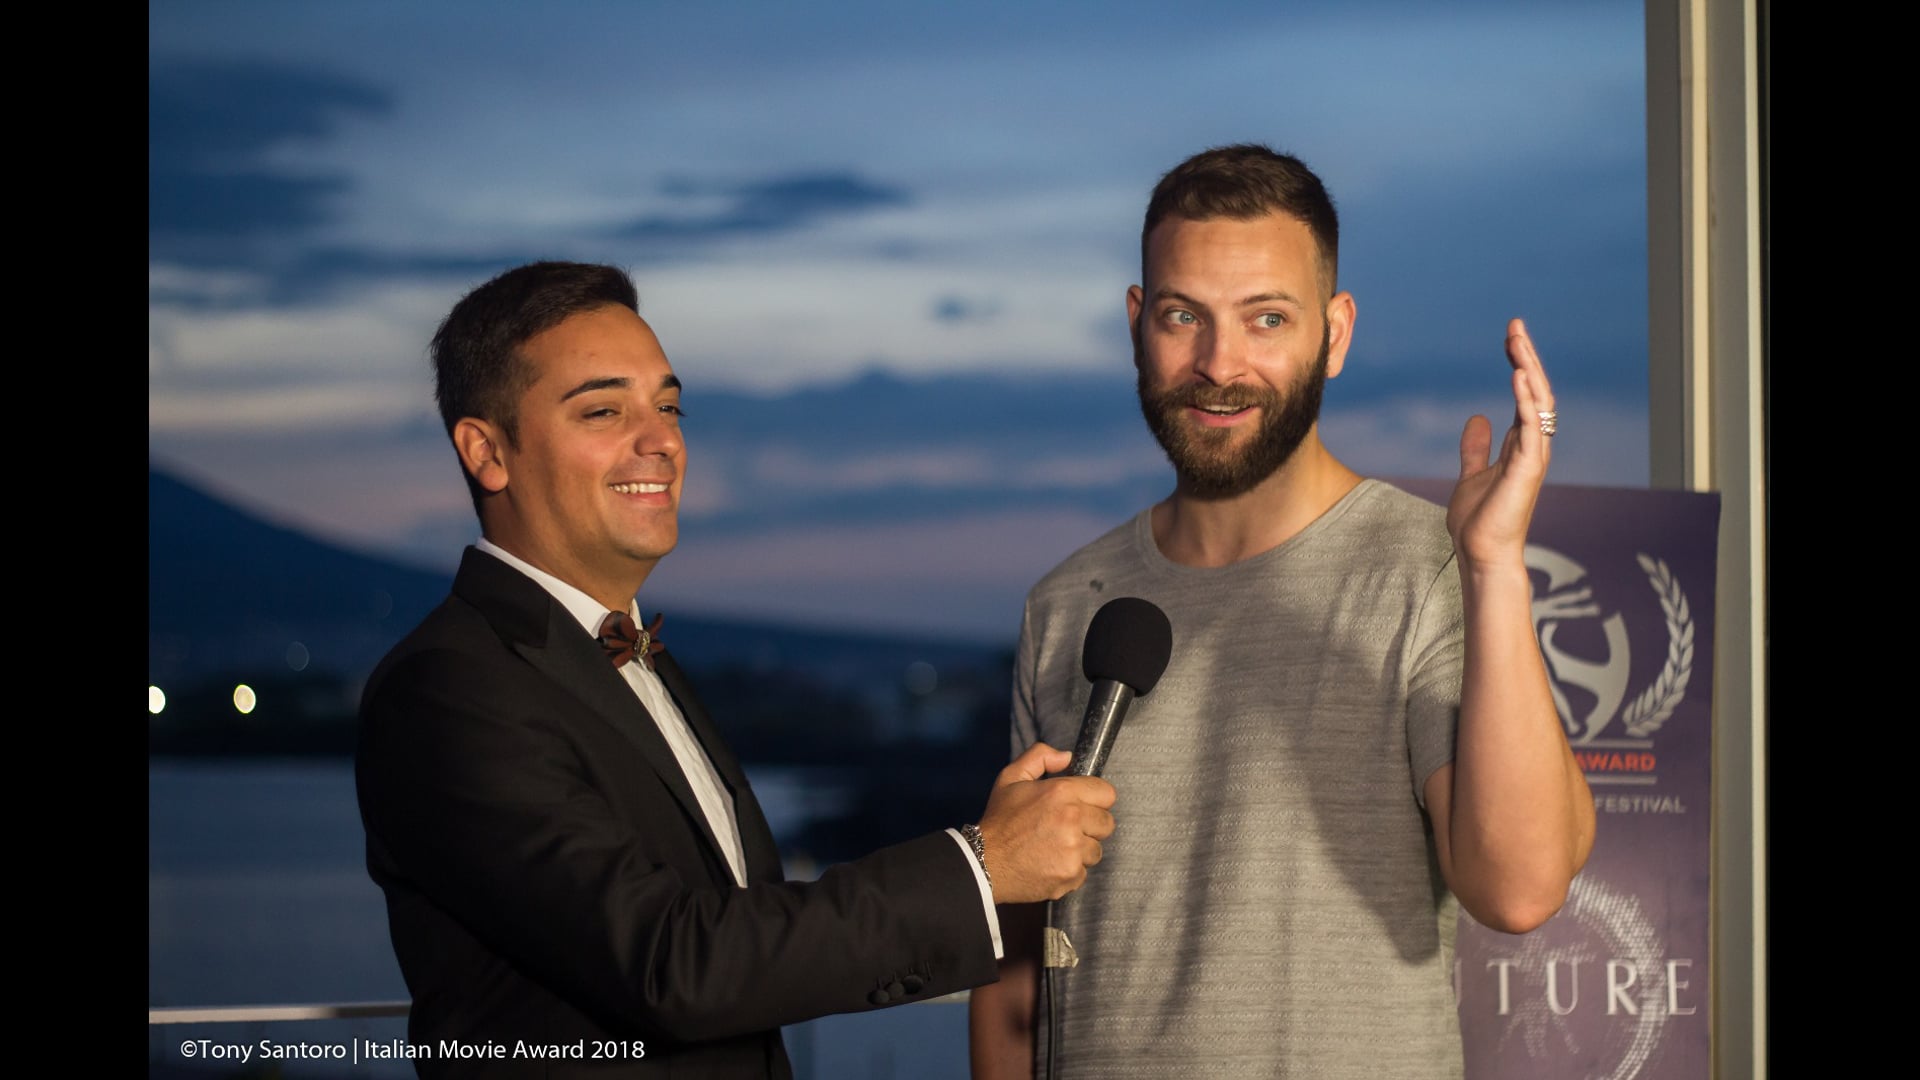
x=979, y=846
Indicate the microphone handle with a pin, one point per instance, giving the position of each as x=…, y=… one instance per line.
x=1105, y=709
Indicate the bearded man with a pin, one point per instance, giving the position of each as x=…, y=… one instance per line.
x=1355, y=735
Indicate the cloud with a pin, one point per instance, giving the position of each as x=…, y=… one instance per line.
x=769, y=206
x=237, y=204
x=1419, y=435
x=239, y=281
x=211, y=128
x=957, y=309
x=207, y=113
x=280, y=369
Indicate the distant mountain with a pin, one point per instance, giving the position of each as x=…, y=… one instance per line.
x=233, y=597
x=229, y=591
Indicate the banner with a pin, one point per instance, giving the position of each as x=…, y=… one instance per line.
x=1614, y=987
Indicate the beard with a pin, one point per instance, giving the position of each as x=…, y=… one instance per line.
x=1202, y=458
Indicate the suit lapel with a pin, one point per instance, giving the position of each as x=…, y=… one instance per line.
x=552, y=641
x=756, y=837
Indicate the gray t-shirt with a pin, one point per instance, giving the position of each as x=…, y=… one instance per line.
x=1270, y=904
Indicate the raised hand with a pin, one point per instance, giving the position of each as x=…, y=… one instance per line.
x=1492, y=504
x=1041, y=835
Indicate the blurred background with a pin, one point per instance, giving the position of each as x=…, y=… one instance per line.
x=886, y=248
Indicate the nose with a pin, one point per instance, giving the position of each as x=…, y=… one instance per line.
x=660, y=434
x=1220, y=355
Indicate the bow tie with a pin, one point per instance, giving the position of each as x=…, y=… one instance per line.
x=623, y=640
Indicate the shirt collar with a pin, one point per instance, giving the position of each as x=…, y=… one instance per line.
x=582, y=607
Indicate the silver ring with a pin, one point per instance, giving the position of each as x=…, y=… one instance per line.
x=1549, y=423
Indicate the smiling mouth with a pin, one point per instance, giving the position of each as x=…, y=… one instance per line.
x=1223, y=410
x=638, y=489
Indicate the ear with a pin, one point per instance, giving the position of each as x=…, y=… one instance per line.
x=1340, y=315
x=482, y=449
x=1136, y=303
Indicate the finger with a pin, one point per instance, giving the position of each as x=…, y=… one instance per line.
x=1056, y=760
x=1094, y=791
x=1091, y=853
x=1525, y=436
x=1475, y=440
x=1097, y=824
x=1079, y=879
x=1035, y=762
x=1533, y=440
x=1525, y=361
x=1525, y=356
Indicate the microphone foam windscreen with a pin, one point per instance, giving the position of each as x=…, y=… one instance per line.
x=1128, y=641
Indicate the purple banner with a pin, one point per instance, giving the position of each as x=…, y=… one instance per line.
x=1614, y=987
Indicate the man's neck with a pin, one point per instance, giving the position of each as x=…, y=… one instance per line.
x=1217, y=532
x=614, y=592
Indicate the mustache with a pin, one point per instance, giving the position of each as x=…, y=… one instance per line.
x=1202, y=396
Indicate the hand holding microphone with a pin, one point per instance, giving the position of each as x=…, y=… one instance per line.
x=1040, y=835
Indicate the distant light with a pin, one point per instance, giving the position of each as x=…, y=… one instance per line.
x=297, y=656
x=244, y=698
x=921, y=678
x=156, y=700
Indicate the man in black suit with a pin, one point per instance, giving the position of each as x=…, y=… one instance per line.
x=578, y=877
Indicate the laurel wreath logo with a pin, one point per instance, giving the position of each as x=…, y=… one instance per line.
x=1656, y=703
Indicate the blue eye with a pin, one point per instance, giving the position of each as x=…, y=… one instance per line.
x=1272, y=320
x=1182, y=317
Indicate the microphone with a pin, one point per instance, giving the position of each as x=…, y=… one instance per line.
x=1126, y=651
x=1128, y=644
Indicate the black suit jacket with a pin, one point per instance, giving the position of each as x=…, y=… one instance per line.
x=550, y=879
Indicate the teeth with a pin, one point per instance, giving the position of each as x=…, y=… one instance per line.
x=639, y=489
x=1223, y=410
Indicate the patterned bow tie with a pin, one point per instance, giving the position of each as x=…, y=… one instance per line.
x=623, y=640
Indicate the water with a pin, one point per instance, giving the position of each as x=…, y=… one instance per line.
x=257, y=894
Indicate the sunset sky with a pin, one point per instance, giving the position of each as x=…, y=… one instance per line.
x=885, y=246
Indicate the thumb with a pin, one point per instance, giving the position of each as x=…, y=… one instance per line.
x=1037, y=761
x=1475, y=440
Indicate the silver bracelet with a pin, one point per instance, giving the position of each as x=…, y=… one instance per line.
x=979, y=846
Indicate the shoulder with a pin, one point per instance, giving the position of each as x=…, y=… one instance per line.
x=454, y=708
x=1379, y=500
x=454, y=642
x=1116, y=550
x=1397, y=526
x=1110, y=566
x=450, y=682
x=1060, y=604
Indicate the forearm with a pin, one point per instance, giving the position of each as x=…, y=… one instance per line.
x=1521, y=821
x=1000, y=1016
x=904, y=920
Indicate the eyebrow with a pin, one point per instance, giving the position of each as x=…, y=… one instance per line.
x=1164, y=293
x=615, y=382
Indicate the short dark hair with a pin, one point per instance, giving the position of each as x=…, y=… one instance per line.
x=478, y=369
x=1243, y=182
